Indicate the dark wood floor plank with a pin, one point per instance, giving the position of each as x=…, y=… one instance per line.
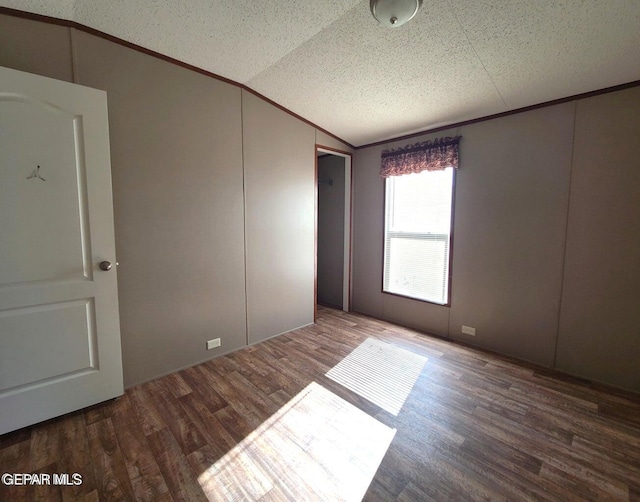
x=457, y=398
x=111, y=475
x=97, y=412
x=201, y=379
x=520, y=472
x=145, y=409
x=178, y=474
x=244, y=397
x=378, y=493
x=412, y=492
x=621, y=464
x=146, y=480
x=447, y=472
x=424, y=427
x=234, y=423
x=575, y=485
x=182, y=427
x=393, y=475
x=75, y=456
x=250, y=362
x=290, y=378
x=611, y=434
x=45, y=445
x=224, y=365
x=273, y=352
x=91, y=497
x=621, y=413
x=475, y=426
x=582, y=390
x=280, y=397
x=557, y=457
x=553, y=398
x=258, y=371
x=211, y=428
x=14, y=459
x=16, y=437
x=177, y=385
x=49, y=492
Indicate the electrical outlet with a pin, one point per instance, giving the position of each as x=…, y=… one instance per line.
x=468, y=330
x=212, y=344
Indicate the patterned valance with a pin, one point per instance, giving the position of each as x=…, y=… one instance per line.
x=433, y=155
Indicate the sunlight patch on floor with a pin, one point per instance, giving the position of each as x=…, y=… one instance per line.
x=316, y=447
x=380, y=372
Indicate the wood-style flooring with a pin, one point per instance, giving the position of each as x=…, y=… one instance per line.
x=263, y=423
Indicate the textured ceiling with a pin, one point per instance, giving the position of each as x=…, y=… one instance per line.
x=332, y=63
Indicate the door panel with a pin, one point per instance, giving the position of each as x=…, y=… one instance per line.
x=59, y=326
x=31, y=355
x=40, y=205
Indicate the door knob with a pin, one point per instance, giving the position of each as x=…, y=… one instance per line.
x=105, y=265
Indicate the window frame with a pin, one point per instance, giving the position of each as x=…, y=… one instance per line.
x=451, y=247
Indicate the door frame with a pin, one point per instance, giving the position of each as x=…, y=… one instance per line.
x=348, y=220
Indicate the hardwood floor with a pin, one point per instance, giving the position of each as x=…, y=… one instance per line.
x=267, y=423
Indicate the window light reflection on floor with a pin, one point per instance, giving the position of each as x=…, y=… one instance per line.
x=380, y=372
x=316, y=447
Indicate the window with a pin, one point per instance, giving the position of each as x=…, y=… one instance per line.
x=417, y=235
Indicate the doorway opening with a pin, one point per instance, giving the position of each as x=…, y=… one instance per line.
x=333, y=228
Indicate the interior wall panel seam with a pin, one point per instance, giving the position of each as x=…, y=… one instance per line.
x=566, y=232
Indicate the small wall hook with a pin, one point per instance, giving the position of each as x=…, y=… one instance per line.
x=36, y=174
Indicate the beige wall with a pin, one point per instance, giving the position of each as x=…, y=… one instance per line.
x=179, y=199
x=40, y=48
x=279, y=168
x=176, y=143
x=528, y=185
x=599, y=333
x=331, y=230
x=323, y=139
x=511, y=212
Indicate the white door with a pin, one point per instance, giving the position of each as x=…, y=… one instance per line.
x=59, y=326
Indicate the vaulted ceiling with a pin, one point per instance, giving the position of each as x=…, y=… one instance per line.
x=332, y=63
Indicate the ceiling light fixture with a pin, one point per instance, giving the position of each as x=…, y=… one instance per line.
x=394, y=13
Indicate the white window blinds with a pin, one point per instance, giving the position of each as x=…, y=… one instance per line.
x=417, y=235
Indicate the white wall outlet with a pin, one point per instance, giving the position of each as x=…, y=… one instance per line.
x=468, y=330
x=212, y=344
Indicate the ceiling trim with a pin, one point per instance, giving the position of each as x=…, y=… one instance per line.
x=91, y=31
x=575, y=97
